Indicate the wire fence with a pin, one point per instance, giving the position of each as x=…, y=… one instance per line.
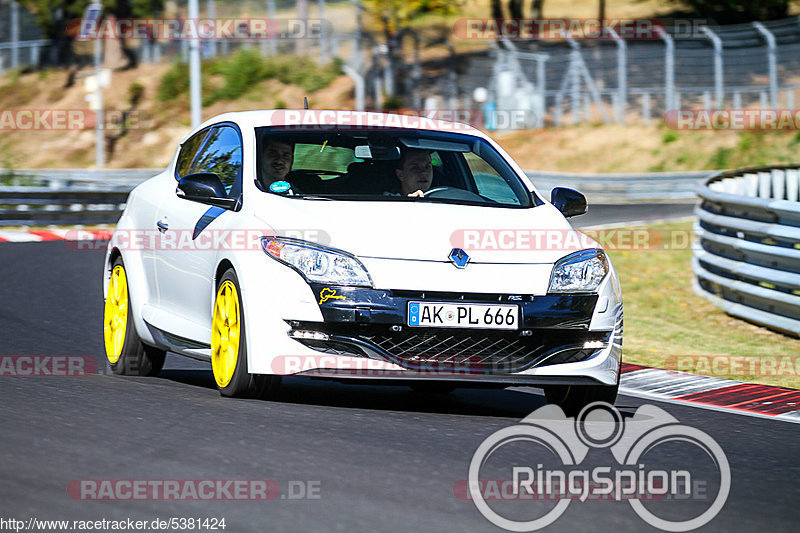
x=753, y=65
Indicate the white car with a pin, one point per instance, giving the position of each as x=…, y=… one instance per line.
x=340, y=269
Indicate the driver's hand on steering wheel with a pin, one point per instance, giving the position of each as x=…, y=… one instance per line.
x=417, y=194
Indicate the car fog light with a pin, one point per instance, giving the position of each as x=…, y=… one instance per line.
x=305, y=334
x=593, y=344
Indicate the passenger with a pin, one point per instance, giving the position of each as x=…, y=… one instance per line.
x=415, y=171
x=276, y=161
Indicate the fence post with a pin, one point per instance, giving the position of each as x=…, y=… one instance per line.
x=211, y=12
x=575, y=82
x=737, y=99
x=622, y=82
x=14, y=35
x=646, y=107
x=587, y=107
x=669, y=69
x=358, y=81
x=273, y=24
x=323, y=38
x=773, y=71
x=717, y=42
x=557, y=112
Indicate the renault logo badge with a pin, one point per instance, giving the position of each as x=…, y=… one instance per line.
x=459, y=257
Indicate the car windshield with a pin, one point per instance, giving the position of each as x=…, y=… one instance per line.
x=386, y=165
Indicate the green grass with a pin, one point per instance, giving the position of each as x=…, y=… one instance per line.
x=230, y=78
x=665, y=320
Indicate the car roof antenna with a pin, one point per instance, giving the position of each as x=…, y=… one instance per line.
x=305, y=102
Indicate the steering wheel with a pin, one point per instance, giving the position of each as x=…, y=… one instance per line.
x=454, y=193
x=433, y=193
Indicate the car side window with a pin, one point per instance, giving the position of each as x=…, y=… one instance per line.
x=221, y=155
x=189, y=152
x=489, y=182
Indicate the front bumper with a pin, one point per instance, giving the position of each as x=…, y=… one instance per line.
x=371, y=324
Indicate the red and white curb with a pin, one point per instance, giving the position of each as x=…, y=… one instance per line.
x=61, y=234
x=713, y=393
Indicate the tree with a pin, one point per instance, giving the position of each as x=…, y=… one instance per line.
x=497, y=10
x=395, y=17
x=537, y=9
x=55, y=17
x=300, y=45
x=734, y=11
x=515, y=8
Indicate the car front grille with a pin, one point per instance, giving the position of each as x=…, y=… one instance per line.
x=465, y=352
x=474, y=353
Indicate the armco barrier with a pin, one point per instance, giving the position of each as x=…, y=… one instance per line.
x=599, y=188
x=748, y=258
x=98, y=196
x=67, y=197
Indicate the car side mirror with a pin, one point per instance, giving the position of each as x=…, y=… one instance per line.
x=206, y=188
x=569, y=201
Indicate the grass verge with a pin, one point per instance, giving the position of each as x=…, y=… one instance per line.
x=666, y=322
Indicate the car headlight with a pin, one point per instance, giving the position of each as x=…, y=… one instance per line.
x=316, y=263
x=579, y=272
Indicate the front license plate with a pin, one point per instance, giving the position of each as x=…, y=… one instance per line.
x=445, y=315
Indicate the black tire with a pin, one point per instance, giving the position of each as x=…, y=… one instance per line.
x=573, y=398
x=242, y=383
x=136, y=358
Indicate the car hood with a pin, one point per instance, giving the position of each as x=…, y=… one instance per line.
x=426, y=231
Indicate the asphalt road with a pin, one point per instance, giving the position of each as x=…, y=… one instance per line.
x=621, y=213
x=379, y=458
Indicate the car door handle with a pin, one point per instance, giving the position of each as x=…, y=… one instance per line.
x=162, y=226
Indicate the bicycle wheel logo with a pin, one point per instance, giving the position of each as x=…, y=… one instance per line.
x=631, y=442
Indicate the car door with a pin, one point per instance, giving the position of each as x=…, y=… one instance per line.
x=148, y=218
x=187, y=256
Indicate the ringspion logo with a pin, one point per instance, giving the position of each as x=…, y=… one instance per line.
x=634, y=444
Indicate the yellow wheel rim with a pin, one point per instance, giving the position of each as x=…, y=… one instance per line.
x=115, y=317
x=225, y=331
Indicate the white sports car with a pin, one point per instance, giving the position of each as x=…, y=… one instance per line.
x=347, y=245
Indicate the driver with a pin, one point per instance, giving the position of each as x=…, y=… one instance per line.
x=415, y=171
x=276, y=161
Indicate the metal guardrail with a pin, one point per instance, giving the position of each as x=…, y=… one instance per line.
x=68, y=197
x=748, y=258
x=60, y=196
x=598, y=188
